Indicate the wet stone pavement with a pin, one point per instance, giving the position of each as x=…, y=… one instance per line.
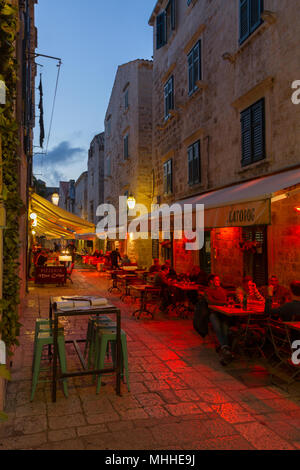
x=181, y=398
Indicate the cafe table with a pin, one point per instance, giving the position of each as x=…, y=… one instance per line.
x=186, y=288
x=249, y=334
x=126, y=280
x=56, y=310
x=143, y=290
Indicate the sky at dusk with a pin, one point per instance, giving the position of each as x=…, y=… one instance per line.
x=92, y=38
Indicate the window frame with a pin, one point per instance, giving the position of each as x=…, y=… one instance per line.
x=168, y=97
x=249, y=136
x=168, y=176
x=126, y=146
x=192, y=87
x=194, y=159
x=126, y=99
x=251, y=24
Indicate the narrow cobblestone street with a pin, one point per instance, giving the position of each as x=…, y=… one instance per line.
x=180, y=398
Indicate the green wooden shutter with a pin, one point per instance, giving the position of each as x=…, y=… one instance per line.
x=160, y=30
x=246, y=137
x=244, y=19
x=196, y=163
x=258, y=130
x=256, y=9
x=173, y=14
x=190, y=165
x=190, y=72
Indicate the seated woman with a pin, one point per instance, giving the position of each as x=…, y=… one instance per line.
x=288, y=312
x=248, y=290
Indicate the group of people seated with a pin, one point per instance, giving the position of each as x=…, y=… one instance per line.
x=278, y=302
x=275, y=299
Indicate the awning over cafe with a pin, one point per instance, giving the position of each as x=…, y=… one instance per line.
x=246, y=203
x=239, y=205
x=55, y=222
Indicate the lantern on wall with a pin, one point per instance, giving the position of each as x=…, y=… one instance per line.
x=131, y=202
x=55, y=199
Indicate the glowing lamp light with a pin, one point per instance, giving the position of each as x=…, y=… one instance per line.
x=34, y=223
x=131, y=202
x=33, y=232
x=33, y=216
x=297, y=209
x=55, y=199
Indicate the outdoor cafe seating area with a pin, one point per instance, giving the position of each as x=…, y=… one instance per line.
x=252, y=332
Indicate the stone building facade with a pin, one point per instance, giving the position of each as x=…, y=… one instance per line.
x=81, y=196
x=95, y=176
x=23, y=108
x=67, y=195
x=223, y=114
x=128, y=146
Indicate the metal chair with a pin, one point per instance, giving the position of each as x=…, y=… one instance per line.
x=280, y=338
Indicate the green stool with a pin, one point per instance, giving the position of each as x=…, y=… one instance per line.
x=93, y=324
x=45, y=338
x=106, y=336
x=43, y=325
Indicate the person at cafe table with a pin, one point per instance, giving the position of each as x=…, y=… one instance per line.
x=216, y=295
x=288, y=312
x=280, y=295
x=248, y=290
x=171, y=273
x=155, y=268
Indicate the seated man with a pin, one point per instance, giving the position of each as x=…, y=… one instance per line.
x=161, y=280
x=289, y=311
x=171, y=271
x=41, y=258
x=155, y=268
x=280, y=296
x=216, y=295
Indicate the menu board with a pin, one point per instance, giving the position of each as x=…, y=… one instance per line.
x=50, y=275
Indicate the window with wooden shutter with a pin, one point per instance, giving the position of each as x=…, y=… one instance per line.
x=168, y=179
x=250, y=17
x=194, y=67
x=194, y=173
x=126, y=152
x=253, y=133
x=170, y=19
x=169, y=96
x=161, y=30
x=258, y=131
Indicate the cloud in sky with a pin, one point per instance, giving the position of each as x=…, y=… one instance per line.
x=63, y=162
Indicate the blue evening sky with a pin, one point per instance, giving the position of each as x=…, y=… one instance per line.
x=92, y=37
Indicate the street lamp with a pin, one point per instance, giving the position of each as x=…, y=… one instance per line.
x=33, y=216
x=131, y=202
x=55, y=199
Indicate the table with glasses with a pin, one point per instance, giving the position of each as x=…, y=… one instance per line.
x=249, y=324
x=82, y=306
x=186, y=290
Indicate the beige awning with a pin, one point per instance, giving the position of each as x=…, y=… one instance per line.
x=55, y=222
x=239, y=205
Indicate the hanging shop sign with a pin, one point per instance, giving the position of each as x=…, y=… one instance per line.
x=239, y=215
